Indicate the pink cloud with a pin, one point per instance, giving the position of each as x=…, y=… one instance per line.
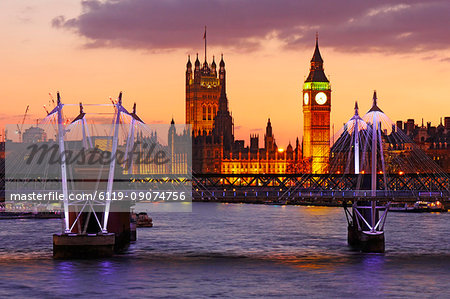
x=355, y=25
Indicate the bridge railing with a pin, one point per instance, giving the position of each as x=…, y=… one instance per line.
x=271, y=193
x=414, y=186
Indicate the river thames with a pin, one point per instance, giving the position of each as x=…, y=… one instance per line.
x=236, y=250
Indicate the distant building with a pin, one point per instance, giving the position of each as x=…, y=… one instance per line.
x=103, y=143
x=433, y=140
x=34, y=135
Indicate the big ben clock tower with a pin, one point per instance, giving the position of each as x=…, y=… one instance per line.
x=316, y=115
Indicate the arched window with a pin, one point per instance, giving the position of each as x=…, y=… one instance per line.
x=214, y=111
x=204, y=112
x=209, y=113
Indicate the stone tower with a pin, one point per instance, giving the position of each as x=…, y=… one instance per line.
x=203, y=88
x=316, y=115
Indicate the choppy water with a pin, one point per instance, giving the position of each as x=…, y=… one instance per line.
x=236, y=250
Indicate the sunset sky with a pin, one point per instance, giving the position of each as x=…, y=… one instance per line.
x=90, y=50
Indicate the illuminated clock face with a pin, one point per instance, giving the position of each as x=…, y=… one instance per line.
x=306, y=99
x=321, y=98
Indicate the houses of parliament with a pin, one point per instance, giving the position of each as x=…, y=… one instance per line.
x=214, y=147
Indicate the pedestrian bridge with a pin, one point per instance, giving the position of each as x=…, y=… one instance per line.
x=349, y=186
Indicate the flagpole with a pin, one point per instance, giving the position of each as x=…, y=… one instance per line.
x=204, y=36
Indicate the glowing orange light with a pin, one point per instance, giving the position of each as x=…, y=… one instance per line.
x=401, y=173
x=280, y=150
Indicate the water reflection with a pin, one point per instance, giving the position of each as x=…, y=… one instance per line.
x=106, y=268
x=235, y=250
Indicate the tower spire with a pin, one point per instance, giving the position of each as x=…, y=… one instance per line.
x=317, y=58
x=316, y=72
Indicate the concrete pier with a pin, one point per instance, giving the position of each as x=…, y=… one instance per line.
x=75, y=246
x=366, y=241
x=90, y=243
x=366, y=226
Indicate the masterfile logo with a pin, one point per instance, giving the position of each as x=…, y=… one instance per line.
x=152, y=166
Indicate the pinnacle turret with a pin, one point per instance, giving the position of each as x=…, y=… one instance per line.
x=189, y=64
x=197, y=62
x=222, y=63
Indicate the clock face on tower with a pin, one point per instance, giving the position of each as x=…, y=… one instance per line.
x=306, y=99
x=321, y=98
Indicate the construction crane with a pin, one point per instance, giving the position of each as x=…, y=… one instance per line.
x=53, y=100
x=19, y=129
